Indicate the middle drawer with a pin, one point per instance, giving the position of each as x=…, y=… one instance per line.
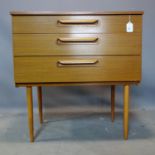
x=77, y=44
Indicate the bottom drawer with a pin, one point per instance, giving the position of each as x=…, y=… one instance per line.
x=77, y=69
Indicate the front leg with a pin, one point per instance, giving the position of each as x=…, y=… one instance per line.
x=30, y=112
x=126, y=111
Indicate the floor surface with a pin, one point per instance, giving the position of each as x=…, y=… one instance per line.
x=78, y=134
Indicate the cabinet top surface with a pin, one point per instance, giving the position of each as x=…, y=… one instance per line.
x=20, y=13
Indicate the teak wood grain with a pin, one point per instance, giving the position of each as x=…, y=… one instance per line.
x=77, y=44
x=47, y=69
x=53, y=13
x=50, y=24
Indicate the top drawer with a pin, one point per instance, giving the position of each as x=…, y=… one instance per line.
x=75, y=24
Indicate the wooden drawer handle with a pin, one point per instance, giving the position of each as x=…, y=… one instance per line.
x=76, y=21
x=78, y=62
x=77, y=40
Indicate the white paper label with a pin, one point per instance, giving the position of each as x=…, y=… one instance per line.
x=129, y=27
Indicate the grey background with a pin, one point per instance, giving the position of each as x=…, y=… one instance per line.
x=78, y=98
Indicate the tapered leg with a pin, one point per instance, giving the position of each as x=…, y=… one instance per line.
x=30, y=112
x=112, y=103
x=126, y=111
x=39, y=89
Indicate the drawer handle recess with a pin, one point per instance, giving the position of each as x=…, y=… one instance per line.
x=78, y=62
x=76, y=21
x=77, y=40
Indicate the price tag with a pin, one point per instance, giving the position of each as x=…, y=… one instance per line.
x=129, y=26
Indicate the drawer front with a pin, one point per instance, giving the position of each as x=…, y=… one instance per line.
x=75, y=24
x=77, y=44
x=77, y=69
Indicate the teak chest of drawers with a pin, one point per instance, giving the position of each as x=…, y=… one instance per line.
x=76, y=48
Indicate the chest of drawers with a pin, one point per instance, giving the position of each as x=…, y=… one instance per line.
x=76, y=48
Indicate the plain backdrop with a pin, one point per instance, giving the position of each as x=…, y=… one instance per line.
x=142, y=96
